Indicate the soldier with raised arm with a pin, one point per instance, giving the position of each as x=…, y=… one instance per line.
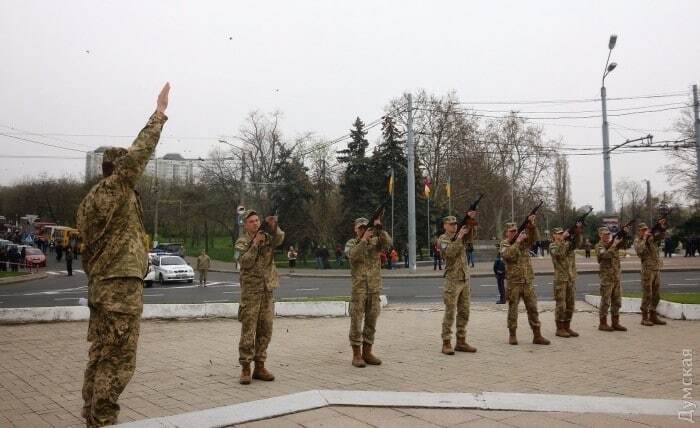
x=560, y=250
x=456, y=290
x=115, y=260
x=520, y=277
x=258, y=281
x=607, y=252
x=365, y=269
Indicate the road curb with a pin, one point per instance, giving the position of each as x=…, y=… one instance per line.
x=178, y=311
x=23, y=278
x=672, y=310
x=315, y=399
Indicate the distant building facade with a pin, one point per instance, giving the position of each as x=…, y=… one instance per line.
x=172, y=167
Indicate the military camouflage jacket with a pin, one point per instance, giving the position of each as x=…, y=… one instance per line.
x=258, y=270
x=454, y=252
x=110, y=218
x=203, y=262
x=648, y=251
x=365, y=266
x=517, y=258
x=609, y=260
x=576, y=242
x=560, y=253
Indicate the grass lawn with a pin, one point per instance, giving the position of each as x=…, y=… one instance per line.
x=687, y=298
x=10, y=274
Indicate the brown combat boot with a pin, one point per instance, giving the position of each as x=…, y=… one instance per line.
x=261, y=373
x=561, y=331
x=616, y=324
x=367, y=355
x=604, y=324
x=655, y=318
x=567, y=326
x=357, y=360
x=463, y=346
x=537, y=338
x=645, y=319
x=512, y=339
x=447, y=347
x=245, y=374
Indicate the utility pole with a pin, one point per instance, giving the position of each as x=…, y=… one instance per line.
x=411, y=189
x=393, y=183
x=607, y=176
x=696, y=108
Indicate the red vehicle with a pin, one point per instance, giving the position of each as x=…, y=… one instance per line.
x=33, y=257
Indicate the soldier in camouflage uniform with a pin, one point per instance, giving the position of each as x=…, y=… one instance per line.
x=564, y=291
x=365, y=269
x=647, y=247
x=456, y=290
x=520, y=277
x=258, y=280
x=110, y=220
x=608, y=256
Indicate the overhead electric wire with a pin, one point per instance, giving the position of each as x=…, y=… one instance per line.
x=42, y=143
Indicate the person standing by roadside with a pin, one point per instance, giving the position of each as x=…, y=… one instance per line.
x=610, y=273
x=437, y=255
x=393, y=258
x=499, y=269
x=69, y=261
x=647, y=247
x=203, y=265
x=292, y=258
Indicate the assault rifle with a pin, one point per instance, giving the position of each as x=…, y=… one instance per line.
x=657, y=226
x=377, y=215
x=468, y=221
x=582, y=220
x=621, y=234
x=525, y=222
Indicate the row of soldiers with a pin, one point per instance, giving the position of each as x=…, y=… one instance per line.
x=110, y=219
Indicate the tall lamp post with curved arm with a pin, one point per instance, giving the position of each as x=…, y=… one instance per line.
x=607, y=179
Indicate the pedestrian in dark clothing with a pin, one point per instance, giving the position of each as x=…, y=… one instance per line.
x=587, y=247
x=405, y=258
x=499, y=269
x=3, y=259
x=69, y=261
x=325, y=255
x=59, y=253
x=437, y=256
x=668, y=247
x=470, y=254
x=13, y=257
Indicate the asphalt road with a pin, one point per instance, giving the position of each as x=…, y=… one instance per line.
x=62, y=290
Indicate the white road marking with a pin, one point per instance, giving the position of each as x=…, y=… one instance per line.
x=217, y=301
x=231, y=292
x=307, y=289
x=66, y=298
x=153, y=295
x=632, y=280
x=53, y=273
x=692, y=279
x=593, y=284
x=696, y=285
x=487, y=285
x=427, y=297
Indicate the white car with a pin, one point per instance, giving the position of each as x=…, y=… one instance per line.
x=166, y=267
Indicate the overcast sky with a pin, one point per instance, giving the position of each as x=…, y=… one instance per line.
x=89, y=67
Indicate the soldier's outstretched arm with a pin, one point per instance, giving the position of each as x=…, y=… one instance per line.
x=130, y=166
x=355, y=250
x=278, y=237
x=385, y=240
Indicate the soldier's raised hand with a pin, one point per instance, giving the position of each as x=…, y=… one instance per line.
x=566, y=234
x=471, y=214
x=531, y=218
x=462, y=232
x=367, y=235
x=272, y=222
x=259, y=238
x=617, y=241
x=162, y=102
x=521, y=237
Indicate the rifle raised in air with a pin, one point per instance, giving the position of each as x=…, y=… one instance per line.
x=468, y=221
x=523, y=225
x=622, y=233
x=582, y=220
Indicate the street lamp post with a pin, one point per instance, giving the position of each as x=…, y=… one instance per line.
x=607, y=179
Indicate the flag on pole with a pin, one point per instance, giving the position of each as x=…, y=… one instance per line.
x=426, y=188
x=448, y=187
x=390, y=185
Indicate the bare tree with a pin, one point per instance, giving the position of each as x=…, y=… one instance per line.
x=561, y=188
x=681, y=170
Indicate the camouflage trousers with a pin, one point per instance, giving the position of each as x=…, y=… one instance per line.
x=112, y=360
x=456, y=298
x=651, y=282
x=564, y=296
x=610, y=296
x=527, y=292
x=363, y=307
x=255, y=313
x=203, y=276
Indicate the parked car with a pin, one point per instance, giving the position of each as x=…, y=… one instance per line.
x=171, y=268
x=170, y=248
x=34, y=257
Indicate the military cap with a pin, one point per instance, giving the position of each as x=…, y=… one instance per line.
x=604, y=230
x=557, y=230
x=511, y=226
x=449, y=219
x=642, y=226
x=113, y=153
x=248, y=213
x=361, y=221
